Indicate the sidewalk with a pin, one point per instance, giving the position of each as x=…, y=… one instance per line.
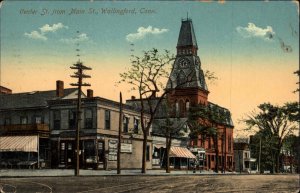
x=70, y=172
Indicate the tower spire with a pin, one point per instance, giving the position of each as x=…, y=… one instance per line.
x=187, y=72
x=187, y=39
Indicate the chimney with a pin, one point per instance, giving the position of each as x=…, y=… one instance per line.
x=132, y=97
x=59, y=88
x=90, y=93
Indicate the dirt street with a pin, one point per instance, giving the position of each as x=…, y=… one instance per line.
x=153, y=184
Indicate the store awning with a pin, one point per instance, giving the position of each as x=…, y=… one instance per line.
x=19, y=143
x=181, y=152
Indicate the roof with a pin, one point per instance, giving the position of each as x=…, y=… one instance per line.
x=161, y=112
x=241, y=140
x=187, y=35
x=179, y=127
x=4, y=89
x=228, y=120
x=99, y=100
x=189, y=75
x=30, y=99
x=193, y=71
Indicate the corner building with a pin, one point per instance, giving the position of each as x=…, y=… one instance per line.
x=187, y=87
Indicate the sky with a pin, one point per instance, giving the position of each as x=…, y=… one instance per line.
x=251, y=46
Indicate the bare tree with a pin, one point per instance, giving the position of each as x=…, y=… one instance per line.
x=147, y=75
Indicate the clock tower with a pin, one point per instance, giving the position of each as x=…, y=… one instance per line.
x=186, y=85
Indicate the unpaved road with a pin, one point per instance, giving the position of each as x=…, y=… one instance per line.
x=153, y=184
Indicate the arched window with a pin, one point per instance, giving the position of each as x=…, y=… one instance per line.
x=181, y=108
x=176, y=108
x=187, y=105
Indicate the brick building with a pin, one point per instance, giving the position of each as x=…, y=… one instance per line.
x=186, y=87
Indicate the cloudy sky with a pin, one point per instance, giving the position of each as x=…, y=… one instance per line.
x=252, y=47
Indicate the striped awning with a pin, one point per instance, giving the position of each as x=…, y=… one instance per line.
x=181, y=152
x=19, y=143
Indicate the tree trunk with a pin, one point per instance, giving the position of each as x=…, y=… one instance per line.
x=277, y=169
x=144, y=152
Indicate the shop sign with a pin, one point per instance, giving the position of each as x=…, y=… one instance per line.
x=113, y=149
x=126, y=148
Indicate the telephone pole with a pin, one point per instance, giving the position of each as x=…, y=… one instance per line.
x=80, y=76
x=120, y=136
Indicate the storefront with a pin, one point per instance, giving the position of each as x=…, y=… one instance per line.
x=91, y=152
x=23, y=151
x=181, y=158
x=200, y=154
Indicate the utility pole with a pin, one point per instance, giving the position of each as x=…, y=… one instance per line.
x=79, y=75
x=120, y=137
x=259, y=155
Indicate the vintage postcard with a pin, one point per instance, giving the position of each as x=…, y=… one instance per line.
x=149, y=96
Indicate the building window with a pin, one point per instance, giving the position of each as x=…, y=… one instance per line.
x=136, y=125
x=7, y=121
x=148, y=153
x=212, y=158
x=176, y=109
x=24, y=120
x=107, y=119
x=229, y=143
x=88, y=119
x=181, y=108
x=202, y=141
x=187, y=106
x=209, y=143
x=56, y=118
x=38, y=120
x=125, y=123
x=72, y=119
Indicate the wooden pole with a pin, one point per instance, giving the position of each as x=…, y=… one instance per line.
x=119, y=143
x=259, y=169
x=78, y=121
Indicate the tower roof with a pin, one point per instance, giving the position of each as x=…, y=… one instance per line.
x=187, y=35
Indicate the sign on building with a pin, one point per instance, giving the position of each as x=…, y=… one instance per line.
x=126, y=148
x=112, y=150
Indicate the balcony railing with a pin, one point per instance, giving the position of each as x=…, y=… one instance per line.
x=24, y=128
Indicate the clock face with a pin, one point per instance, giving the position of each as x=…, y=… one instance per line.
x=183, y=62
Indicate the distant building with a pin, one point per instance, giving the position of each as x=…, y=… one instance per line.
x=242, y=156
x=4, y=90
